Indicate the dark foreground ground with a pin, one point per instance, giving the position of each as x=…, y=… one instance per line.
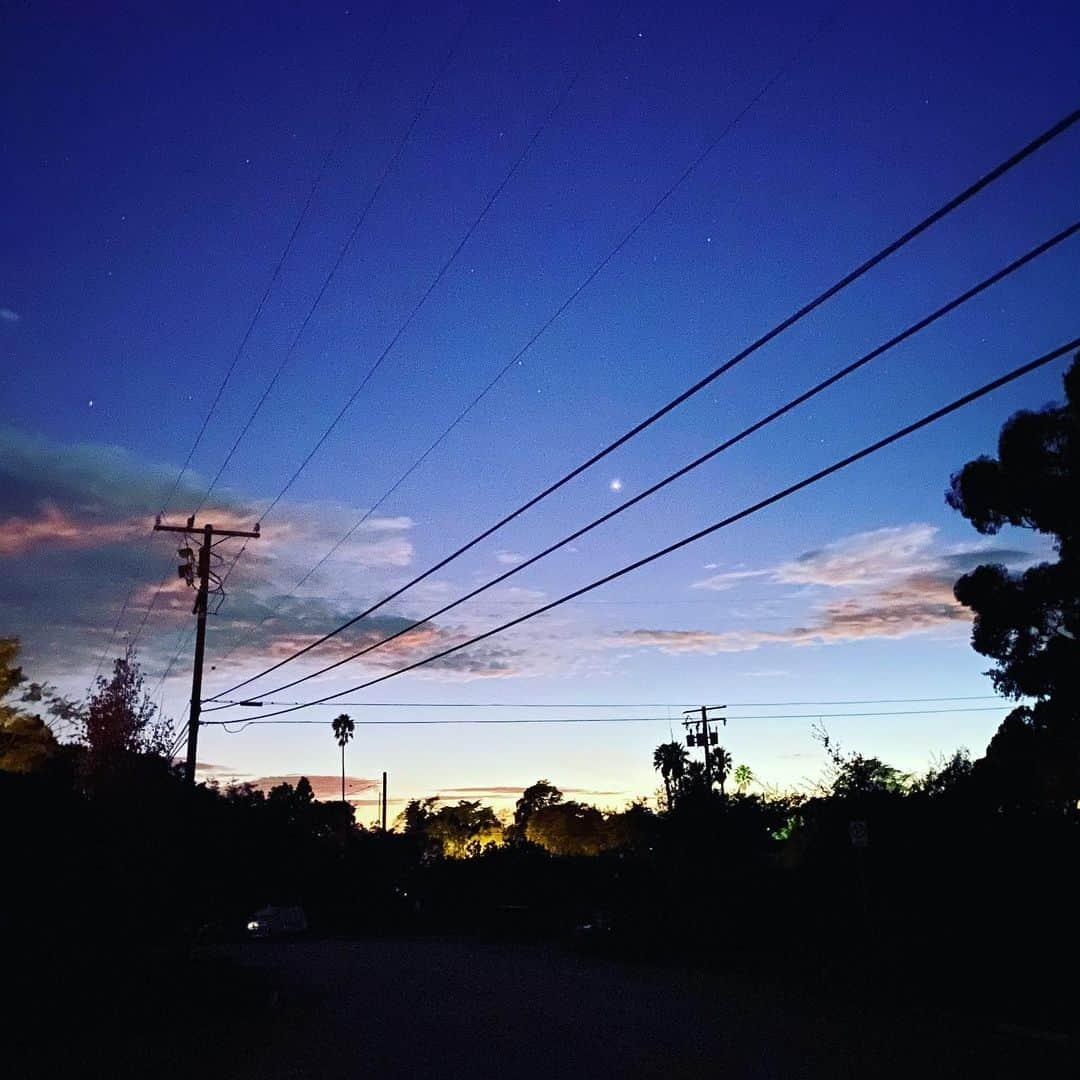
x=435, y=1008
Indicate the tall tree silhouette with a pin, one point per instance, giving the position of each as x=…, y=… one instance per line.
x=119, y=717
x=542, y=793
x=721, y=766
x=343, y=731
x=670, y=760
x=1029, y=623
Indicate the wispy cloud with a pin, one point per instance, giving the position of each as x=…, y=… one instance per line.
x=896, y=581
x=9, y=316
x=917, y=605
x=869, y=558
x=510, y=558
x=729, y=579
x=497, y=791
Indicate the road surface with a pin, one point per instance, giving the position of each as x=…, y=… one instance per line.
x=395, y=1009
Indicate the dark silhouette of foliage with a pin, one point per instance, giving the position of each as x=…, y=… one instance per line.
x=1028, y=623
x=119, y=719
x=850, y=775
x=416, y=815
x=951, y=777
x=670, y=759
x=633, y=830
x=720, y=764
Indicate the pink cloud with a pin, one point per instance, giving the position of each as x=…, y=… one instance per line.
x=323, y=787
x=415, y=645
x=916, y=604
x=54, y=527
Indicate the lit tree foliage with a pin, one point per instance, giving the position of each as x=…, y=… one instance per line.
x=568, y=828
x=533, y=798
x=27, y=743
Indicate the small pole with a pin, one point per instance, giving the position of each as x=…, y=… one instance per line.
x=705, y=730
x=384, y=801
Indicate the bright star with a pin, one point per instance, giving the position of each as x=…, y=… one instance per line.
x=616, y=484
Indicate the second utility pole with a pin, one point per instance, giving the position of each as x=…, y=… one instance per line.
x=704, y=737
x=202, y=598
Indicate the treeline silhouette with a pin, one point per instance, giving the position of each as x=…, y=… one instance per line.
x=951, y=884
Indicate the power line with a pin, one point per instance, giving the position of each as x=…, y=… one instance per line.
x=234, y=727
x=315, y=185
x=180, y=737
x=776, y=414
x=821, y=474
x=474, y=225
x=444, y=268
x=384, y=176
x=150, y=607
x=559, y=311
x=708, y=456
x=968, y=193
x=469, y=232
x=182, y=640
x=621, y=705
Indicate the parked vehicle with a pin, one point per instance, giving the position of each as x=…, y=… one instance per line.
x=273, y=921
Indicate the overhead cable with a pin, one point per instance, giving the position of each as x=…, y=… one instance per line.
x=913, y=329
x=625, y=239
x=387, y=169
x=234, y=727
x=792, y=489
x=301, y=217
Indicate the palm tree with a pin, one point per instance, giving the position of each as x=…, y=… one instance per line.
x=721, y=766
x=744, y=777
x=670, y=759
x=343, y=732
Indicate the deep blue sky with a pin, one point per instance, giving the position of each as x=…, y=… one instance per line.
x=156, y=158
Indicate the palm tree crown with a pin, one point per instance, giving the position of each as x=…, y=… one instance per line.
x=343, y=728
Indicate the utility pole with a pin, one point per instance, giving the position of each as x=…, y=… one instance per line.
x=384, y=801
x=703, y=736
x=188, y=572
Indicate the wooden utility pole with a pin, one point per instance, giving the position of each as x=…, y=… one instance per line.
x=202, y=597
x=384, y=801
x=703, y=737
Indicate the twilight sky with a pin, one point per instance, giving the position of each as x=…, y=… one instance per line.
x=157, y=160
